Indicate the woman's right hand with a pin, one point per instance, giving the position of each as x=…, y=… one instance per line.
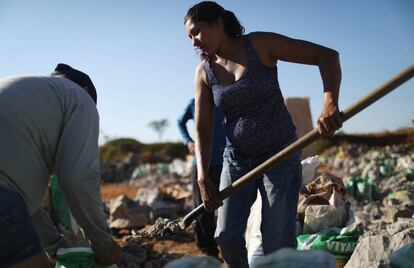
x=209, y=194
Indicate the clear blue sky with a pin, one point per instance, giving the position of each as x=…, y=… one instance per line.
x=142, y=62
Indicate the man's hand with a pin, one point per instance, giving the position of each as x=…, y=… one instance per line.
x=209, y=194
x=111, y=255
x=51, y=250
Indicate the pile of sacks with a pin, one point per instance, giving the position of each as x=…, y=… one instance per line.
x=325, y=219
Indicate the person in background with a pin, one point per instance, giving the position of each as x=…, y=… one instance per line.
x=238, y=73
x=205, y=226
x=49, y=123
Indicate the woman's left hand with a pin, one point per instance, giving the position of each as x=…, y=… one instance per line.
x=330, y=119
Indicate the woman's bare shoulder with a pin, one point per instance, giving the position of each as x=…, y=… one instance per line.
x=200, y=73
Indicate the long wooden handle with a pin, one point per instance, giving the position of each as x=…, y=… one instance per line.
x=304, y=141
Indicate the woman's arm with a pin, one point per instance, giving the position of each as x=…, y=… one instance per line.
x=272, y=47
x=203, y=138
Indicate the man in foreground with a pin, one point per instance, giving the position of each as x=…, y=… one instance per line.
x=49, y=124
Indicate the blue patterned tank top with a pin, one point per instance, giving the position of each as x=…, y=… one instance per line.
x=256, y=119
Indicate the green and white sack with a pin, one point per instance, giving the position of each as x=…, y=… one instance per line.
x=81, y=257
x=337, y=241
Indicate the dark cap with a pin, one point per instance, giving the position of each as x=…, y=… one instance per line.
x=78, y=77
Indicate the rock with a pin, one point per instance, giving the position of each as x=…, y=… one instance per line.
x=391, y=214
x=138, y=253
x=402, y=238
x=147, y=196
x=375, y=251
x=371, y=251
x=374, y=210
x=194, y=262
x=161, y=228
x=121, y=224
x=291, y=258
x=159, y=204
x=126, y=213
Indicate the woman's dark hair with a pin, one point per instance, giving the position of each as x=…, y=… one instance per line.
x=209, y=11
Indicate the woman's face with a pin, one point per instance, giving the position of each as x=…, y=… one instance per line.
x=204, y=36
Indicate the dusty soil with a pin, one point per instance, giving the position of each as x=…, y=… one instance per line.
x=109, y=191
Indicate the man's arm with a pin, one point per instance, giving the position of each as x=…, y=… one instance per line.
x=77, y=166
x=182, y=122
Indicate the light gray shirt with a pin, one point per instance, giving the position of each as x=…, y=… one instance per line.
x=51, y=124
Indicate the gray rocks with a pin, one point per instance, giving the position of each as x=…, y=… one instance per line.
x=126, y=213
x=290, y=258
x=161, y=228
x=194, y=262
x=400, y=225
x=159, y=204
x=375, y=251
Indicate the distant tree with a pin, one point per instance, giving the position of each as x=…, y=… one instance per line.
x=159, y=127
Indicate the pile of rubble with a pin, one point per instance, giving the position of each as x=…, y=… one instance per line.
x=131, y=169
x=380, y=185
x=151, y=202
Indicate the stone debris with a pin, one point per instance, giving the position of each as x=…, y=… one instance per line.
x=131, y=169
x=374, y=251
x=160, y=203
x=194, y=262
x=161, y=228
x=290, y=258
x=127, y=213
x=140, y=253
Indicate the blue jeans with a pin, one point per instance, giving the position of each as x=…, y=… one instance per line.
x=19, y=240
x=279, y=188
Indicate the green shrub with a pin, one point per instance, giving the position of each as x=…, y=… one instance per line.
x=116, y=150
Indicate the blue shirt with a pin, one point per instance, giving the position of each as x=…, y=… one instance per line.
x=219, y=138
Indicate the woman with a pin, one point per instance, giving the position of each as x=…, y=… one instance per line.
x=238, y=73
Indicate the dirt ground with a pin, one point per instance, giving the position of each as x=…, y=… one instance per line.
x=181, y=246
x=109, y=191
